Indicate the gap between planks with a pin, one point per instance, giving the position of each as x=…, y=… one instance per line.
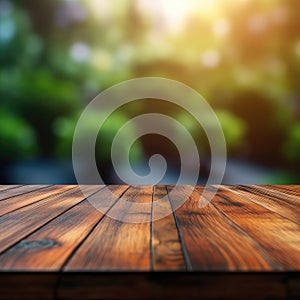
x=24, y=221
x=183, y=240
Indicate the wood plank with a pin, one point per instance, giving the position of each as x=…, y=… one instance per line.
x=58, y=246
x=8, y=187
x=213, y=242
x=31, y=286
x=274, y=193
x=173, y=285
x=17, y=202
x=49, y=248
x=167, y=254
x=293, y=286
x=117, y=245
x=279, y=236
x=19, y=191
x=286, y=189
x=276, y=201
x=20, y=223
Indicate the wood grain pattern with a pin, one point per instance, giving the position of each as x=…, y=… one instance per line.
x=19, y=190
x=63, y=234
x=20, y=223
x=8, y=187
x=166, y=248
x=277, y=235
x=55, y=244
x=276, y=201
x=287, y=189
x=215, y=243
x=117, y=245
x=19, y=201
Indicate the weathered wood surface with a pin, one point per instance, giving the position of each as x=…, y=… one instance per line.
x=55, y=245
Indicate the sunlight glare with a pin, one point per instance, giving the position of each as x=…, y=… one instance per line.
x=171, y=15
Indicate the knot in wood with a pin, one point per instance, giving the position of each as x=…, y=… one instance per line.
x=37, y=244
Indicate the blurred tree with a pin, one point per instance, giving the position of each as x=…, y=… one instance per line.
x=17, y=139
x=64, y=128
x=244, y=57
x=263, y=130
x=292, y=146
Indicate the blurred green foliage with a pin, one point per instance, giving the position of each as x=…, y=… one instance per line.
x=64, y=129
x=292, y=146
x=234, y=129
x=17, y=138
x=244, y=58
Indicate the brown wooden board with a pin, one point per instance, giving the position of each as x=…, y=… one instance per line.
x=28, y=286
x=284, y=204
x=278, y=236
x=8, y=187
x=167, y=254
x=22, y=222
x=56, y=244
x=50, y=247
x=116, y=245
x=19, y=190
x=214, y=243
x=174, y=285
x=19, y=201
x=287, y=189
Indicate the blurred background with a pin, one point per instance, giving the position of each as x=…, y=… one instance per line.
x=242, y=56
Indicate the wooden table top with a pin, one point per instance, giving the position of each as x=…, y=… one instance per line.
x=54, y=243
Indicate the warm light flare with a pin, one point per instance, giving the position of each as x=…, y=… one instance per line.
x=171, y=14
